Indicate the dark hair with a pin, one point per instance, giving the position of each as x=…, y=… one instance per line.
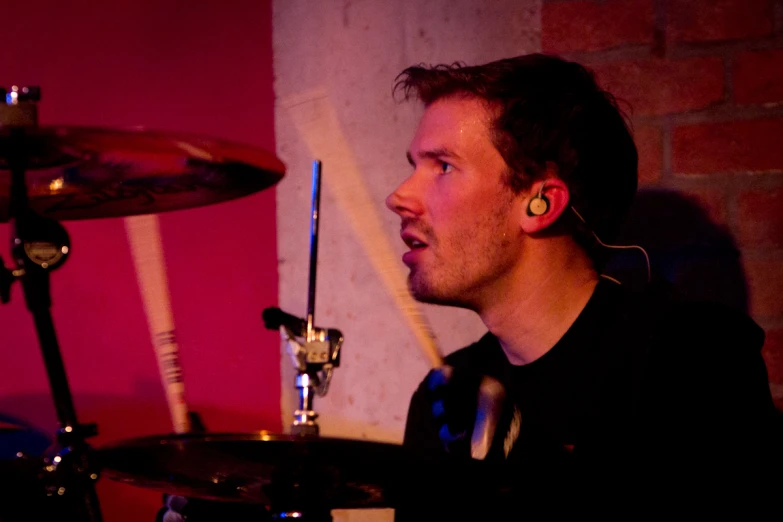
x=549, y=110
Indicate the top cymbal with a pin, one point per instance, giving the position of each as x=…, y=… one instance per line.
x=88, y=172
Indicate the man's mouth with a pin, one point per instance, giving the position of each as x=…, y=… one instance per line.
x=416, y=245
x=413, y=242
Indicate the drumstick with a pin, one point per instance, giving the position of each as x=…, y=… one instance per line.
x=316, y=120
x=147, y=249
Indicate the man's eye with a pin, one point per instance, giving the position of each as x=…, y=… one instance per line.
x=445, y=167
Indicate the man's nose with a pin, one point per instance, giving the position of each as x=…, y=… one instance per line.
x=404, y=200
x=393, y=202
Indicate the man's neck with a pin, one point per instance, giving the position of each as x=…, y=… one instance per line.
x=543, y=301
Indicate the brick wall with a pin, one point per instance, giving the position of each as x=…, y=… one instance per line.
x=704, y=80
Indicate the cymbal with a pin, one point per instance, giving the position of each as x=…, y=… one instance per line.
x=260, y=467
x=90, y=172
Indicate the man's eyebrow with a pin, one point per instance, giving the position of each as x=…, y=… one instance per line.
x=439, y=153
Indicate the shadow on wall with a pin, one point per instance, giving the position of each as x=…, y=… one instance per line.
x=698, y=257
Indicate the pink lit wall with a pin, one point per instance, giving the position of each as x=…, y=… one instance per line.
x=202, y=67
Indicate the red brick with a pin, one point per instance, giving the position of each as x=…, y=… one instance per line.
x=649, y=144
x=760, y=219
x=588, y=25
x=765, y=286
x=709, y=20
x=735, y=146
x=663, y=86
x=758, y=77
x=773, y=355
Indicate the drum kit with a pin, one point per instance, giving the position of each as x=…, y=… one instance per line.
x=50, y=174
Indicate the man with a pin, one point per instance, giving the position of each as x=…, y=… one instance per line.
x=522, y=172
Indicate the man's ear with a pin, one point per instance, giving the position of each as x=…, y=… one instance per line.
x=544, y=202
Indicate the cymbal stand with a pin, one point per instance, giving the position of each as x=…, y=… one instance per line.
x=39, y=245
x=314, y=352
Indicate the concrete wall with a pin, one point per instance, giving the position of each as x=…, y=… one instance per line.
x=344, y=56
x=340, y=58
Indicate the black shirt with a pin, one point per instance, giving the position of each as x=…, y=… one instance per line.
x=644, y=395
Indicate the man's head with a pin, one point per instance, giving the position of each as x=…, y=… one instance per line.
x=490, y=138
x=458, y=215
x=547, y=112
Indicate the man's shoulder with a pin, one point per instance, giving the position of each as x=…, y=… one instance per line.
x=698, y=349
x=673, y=316
x=706, y=325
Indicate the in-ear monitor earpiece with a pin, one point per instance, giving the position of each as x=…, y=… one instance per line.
x=539, y=204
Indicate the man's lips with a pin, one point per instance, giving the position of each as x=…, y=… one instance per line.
x=412, y=256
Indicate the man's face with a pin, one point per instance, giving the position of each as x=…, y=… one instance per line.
x=459, y=218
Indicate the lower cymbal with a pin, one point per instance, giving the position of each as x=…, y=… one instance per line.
x=260, y=468
x=86, y=172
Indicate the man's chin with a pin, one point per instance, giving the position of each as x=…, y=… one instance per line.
x=420, y=290
x=426, y=293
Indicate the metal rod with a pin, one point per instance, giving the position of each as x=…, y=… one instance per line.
x=313, y=248
x=35, y=284
x=55, y=369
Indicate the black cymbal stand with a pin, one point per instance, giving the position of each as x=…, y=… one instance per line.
x=39, y=245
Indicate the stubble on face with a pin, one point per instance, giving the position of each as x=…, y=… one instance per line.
x=468, y=261
x=458, y=203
